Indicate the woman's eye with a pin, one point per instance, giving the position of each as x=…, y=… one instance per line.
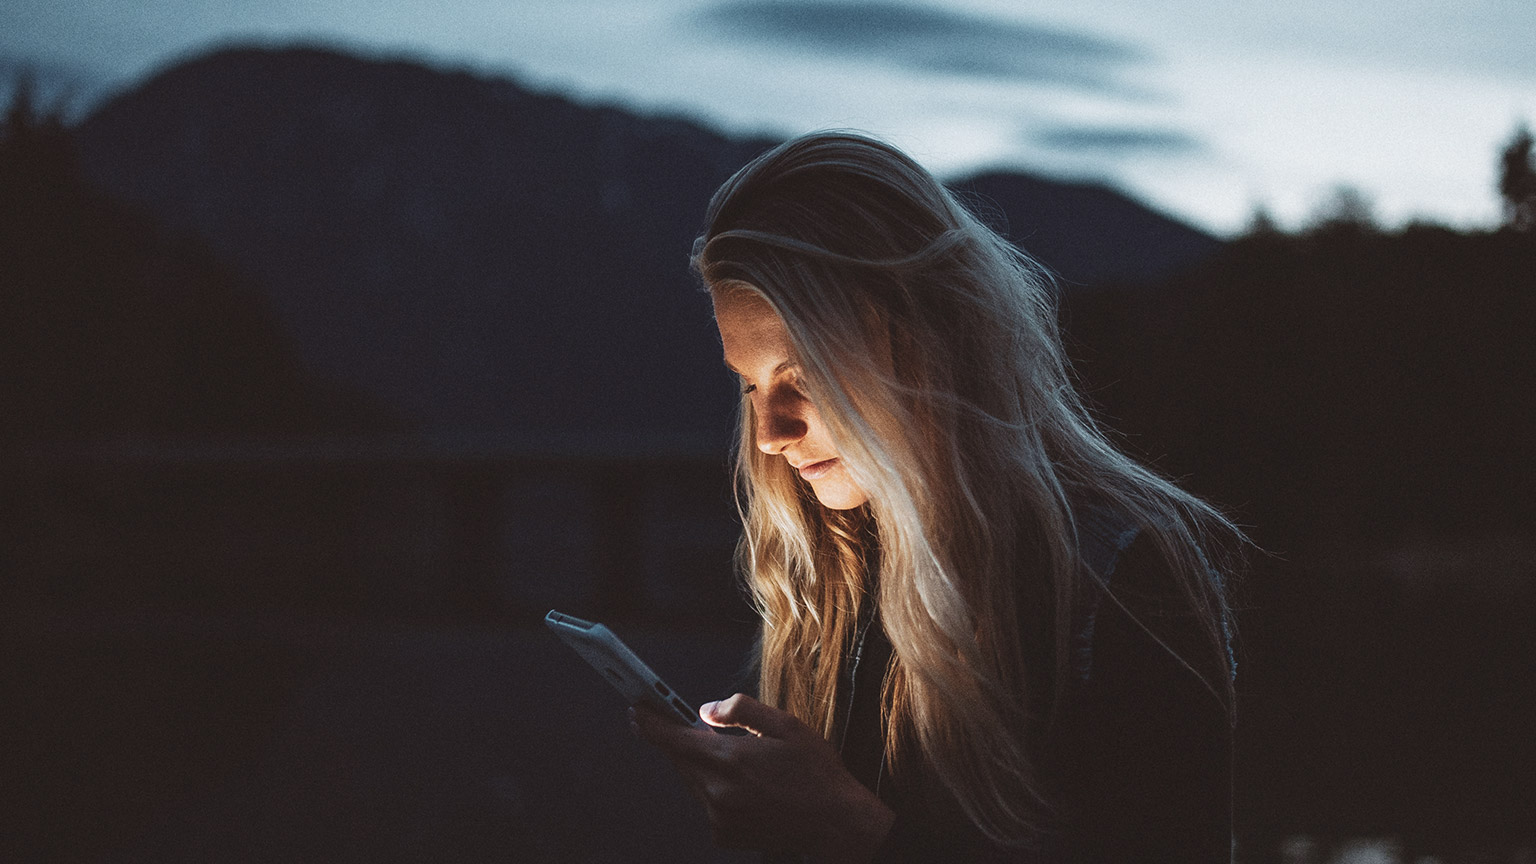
x=747, y=389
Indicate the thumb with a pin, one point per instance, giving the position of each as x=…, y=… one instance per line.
x=744, y=712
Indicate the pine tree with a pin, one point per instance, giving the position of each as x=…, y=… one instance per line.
x=1347, y=209
x=1517, y=181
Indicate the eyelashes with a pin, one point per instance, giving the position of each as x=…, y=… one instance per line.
x=794, y=384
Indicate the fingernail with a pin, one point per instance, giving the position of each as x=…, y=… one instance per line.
x=708, y=708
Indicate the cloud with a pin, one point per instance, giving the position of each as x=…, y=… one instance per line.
x=933, y=40
x=1117, y=141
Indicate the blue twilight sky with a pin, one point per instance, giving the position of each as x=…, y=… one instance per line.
x=1205, y=108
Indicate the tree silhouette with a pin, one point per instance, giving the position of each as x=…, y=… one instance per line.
x=1261, y=223
x=38, y=143
x=1346, y=208
x=1517, y=181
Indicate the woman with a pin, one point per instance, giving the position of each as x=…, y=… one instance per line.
x=987, y=634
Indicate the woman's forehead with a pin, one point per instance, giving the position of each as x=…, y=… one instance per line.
x=751, y=332
x=737, y=295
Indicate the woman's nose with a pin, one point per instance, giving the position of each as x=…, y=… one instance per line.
x=779, y=424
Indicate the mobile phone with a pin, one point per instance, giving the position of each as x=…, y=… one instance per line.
x=620, y=666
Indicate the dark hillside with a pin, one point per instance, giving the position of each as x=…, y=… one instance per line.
x=111, y=327
x=488, y=259
x=1343, y=383
x=1089, y=234
x=479, y=256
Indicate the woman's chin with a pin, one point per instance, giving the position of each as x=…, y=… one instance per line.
x=839, y=494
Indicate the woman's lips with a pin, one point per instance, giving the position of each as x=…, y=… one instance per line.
x=818, y=470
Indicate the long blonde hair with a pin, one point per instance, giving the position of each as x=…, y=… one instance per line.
x=929, y=345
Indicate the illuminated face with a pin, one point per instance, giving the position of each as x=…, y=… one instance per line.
x=757, y=348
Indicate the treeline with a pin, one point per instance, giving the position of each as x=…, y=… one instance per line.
x=1339, y=383
x=113, y=328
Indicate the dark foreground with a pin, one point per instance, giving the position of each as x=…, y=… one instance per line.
x=324, y=740
x=284, y=737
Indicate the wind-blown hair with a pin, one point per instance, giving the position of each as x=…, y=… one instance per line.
x=930, y=347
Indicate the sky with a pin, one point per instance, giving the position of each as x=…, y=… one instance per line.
x=1206, y=109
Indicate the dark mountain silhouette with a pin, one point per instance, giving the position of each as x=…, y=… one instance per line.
x=488, y=259
x=481, y=257
x=111, y=328
x=1087, y=234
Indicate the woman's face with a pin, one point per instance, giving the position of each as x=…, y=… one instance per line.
x=757, y=348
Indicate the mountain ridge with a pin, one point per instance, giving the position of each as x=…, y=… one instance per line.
x=481, y=256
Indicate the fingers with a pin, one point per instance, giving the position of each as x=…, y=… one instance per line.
x=680, y=743
x=653, y=726
x=744, y=712
x=777, y=787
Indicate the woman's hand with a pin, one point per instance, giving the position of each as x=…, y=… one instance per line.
x=781, y=787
